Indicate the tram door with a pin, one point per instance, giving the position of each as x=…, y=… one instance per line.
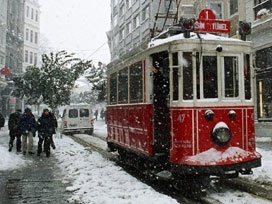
x=161, y=113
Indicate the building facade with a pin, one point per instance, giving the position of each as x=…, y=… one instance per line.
x=31, y=33
x=133, y=22
x=3, y=28
x=262, y=38
x=13, y=51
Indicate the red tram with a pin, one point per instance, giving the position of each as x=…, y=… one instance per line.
x=196, y=118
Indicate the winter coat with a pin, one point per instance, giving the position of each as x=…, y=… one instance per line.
x=2, y=120
x=28, y=123
x=46, y=125
x=14, y=123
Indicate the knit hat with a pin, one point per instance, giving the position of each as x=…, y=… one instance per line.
x=27, y=110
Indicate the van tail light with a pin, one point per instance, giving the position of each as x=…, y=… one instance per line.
x=65, y=124
x=92, y=122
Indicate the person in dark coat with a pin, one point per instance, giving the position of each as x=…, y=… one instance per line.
x=102, y=112
x=161, y=111
x=2, y=121
x=46, y=129
x=96, y=114
x=28, y=129
x=15, y=130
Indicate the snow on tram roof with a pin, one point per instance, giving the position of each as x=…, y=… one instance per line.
x=156, y=42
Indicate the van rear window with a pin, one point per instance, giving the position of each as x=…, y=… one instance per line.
x=73, y=113
x=84, y=112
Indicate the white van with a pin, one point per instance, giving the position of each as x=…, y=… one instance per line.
x=77, y=119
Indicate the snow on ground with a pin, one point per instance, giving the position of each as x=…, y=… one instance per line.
x=10, y=160
x=93, y=140
x=263, y=174
x=99, y=181
x=232, y=197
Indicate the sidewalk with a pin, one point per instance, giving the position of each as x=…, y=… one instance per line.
x=29, y=178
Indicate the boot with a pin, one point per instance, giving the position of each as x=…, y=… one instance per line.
x=10, y=148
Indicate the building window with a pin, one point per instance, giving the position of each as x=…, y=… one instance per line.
x=217, y=9
x=145, y=13
x=128, y=28
x=37, y=16
x=2, y=60
x=114, y=2
x=136, y=82
x=136, y=21
x=263, y=58
x=32, y=14
x=115, y=20
x=122, y=34
x=262, y=4
x=128, y=4
x=35, y=59
x=115, y=41
x=264, y=93
x=123, y=86
x=31, y=36
x=26, y=55
x=36, y=38
x=233, y=7
x=31, y=57
x=27, y=33
x=27, y=11
x=122, y=10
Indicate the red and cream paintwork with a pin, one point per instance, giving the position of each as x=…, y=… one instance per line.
x=130, y=125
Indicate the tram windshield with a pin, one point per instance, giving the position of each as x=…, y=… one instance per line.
x=214, y=76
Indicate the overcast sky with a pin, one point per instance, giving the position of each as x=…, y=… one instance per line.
x=78, y=26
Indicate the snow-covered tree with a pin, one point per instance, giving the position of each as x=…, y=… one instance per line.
x=53, y=81
x=98, y=78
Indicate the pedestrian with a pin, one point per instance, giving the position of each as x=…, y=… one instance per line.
x=96, y=114
x=28, y=129
x=15, y=130
x=161, y=109
x=2, y=121
x=46, y=129
x=102, y=113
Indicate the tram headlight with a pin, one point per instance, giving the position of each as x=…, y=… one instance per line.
x=221, y=134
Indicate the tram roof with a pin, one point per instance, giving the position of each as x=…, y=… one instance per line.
x=193, y=36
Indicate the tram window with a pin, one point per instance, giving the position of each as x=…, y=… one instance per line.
x=175, y=84
x=247, y=77
x=197, y=75
x=136, y=82
x=113, y=88
x=231, y=77
x=175, y=76
x=210, y=77
x=123, y=86
x=175, y=59
x=187, y=67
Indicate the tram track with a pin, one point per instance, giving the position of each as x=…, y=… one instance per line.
x=250, y=187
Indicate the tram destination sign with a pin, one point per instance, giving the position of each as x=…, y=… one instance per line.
x=212, y=26
x=207, y=22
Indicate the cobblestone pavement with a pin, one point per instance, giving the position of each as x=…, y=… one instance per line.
x=38, y=183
